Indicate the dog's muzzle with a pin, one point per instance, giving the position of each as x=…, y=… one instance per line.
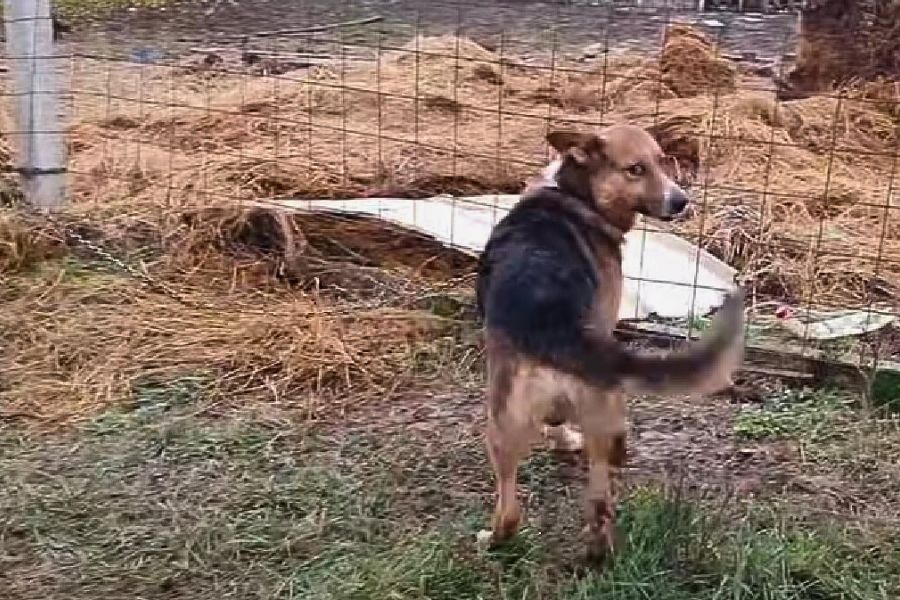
x=675, y=202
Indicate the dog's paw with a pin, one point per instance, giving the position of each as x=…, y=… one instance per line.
x=484, y=539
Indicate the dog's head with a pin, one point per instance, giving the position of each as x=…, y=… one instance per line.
x=622, y=171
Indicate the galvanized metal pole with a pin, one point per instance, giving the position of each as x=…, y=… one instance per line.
x=35, y=73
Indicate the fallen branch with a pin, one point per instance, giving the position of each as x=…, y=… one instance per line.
x=308, y=30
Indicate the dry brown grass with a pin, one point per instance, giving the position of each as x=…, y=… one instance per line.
x=363, y=133
x=24, y=242
x=81, y=336
x=786, y=195
x=91, y=341
x=690, y=65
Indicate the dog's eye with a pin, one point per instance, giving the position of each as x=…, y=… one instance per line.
x=636, y=170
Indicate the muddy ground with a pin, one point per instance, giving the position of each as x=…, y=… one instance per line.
x=524, y=28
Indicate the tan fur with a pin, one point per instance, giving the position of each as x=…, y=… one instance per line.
x=607, y=157
x=588, y=418
x=528, y=401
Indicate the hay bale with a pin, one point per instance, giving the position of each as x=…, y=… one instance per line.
x=690, y=65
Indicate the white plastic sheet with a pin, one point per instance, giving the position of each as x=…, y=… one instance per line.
x=664, y=275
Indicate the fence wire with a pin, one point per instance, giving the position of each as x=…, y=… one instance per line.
x=182, y=146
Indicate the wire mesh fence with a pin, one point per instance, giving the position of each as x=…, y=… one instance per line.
x=195, y=157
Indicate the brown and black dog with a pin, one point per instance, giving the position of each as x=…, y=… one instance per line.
x=549, y=287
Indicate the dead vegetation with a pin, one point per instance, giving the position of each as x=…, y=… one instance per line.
x=24, y=242
x=793, y=194
x=816, y=171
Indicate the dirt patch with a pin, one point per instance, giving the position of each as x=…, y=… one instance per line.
x=693, y=444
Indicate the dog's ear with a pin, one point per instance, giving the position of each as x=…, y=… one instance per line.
x=580, y=146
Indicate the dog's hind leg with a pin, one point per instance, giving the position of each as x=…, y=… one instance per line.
x=604, y=422
x=511, y=431
x=508, y=444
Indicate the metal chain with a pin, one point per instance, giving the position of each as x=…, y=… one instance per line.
x=110, y=258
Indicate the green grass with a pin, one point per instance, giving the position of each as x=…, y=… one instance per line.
x=795, y=414
x=160, y=502
x=93, y=8
x=886, y=391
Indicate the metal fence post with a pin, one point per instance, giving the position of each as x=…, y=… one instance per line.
x=35, y=75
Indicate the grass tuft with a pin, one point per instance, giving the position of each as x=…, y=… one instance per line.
x=793, y=414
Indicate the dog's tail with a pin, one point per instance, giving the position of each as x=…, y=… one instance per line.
x=705, y=366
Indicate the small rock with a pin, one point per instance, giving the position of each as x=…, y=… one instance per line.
x=653, y=436
x=146, y=55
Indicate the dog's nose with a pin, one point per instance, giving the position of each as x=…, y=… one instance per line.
x=676, y=201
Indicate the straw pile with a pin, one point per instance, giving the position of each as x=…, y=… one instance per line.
x=81, y=335
x=787, y=193
x=93, y=340
x=690, y=65
x=333, y=134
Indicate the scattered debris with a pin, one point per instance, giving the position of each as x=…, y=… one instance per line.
x=830, y=325
x=595, y=50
